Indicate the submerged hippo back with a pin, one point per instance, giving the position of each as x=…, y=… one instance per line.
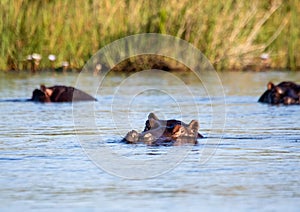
x=69, y=94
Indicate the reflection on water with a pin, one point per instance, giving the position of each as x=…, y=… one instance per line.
x=255, y=167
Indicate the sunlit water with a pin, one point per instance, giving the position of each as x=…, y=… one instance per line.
x=253, y=163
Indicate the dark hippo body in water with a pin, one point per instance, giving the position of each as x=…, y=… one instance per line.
x=287, y=93
x=165, y=132
x=59, y=93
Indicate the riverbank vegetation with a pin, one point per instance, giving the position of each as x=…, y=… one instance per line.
x=232, y=34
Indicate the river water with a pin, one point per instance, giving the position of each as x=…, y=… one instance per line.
x=69, y=156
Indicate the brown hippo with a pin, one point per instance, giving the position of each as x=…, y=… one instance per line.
x=165, y=132
x=59, y=93
x=167, y=123
x=287, y=93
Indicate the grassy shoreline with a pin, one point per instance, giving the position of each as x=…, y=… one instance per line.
x=231, y=34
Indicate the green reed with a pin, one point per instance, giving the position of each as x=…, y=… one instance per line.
x=232, y=34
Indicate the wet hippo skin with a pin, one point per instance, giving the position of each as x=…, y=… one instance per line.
x=59, y=93
x=165, y=132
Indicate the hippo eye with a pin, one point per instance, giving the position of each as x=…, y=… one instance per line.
x=170, y=126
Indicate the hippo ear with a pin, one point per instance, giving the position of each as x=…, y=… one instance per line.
x=152, y=116
x=270, y=86
x=43, y=88
x=153, y=123
x=194, y=126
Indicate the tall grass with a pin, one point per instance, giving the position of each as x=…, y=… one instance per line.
x=232, y=34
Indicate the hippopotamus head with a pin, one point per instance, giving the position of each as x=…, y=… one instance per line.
x=284, y=93
x=41, y=95
x=165, y=132
x=59, y=93
x=168, y=124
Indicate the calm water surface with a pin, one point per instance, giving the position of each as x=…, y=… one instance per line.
x=253, y=163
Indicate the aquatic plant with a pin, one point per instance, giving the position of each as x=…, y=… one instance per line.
x=232, y=34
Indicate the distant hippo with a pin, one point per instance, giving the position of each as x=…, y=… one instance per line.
x=287, y=93
x=165, y=132
x=59, y=93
